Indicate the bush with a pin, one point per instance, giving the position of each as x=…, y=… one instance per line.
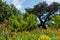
x=56, y=23
x=22, y=22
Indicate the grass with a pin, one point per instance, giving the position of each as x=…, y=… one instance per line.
x=37, y=34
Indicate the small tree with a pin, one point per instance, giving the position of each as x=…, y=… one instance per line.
x=5, y=11
x=44, y=12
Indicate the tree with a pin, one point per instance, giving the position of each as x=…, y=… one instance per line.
x=44, y=12
x=15, y=11
x=5, y=11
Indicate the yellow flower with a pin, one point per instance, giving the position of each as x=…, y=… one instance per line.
x=44, y=37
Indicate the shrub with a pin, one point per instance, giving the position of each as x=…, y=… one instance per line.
x=55, y=23
x=22, y=22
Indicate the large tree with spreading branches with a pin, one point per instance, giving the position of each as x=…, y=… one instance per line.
x=44, y=12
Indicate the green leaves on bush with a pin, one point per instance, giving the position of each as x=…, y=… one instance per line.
x=56, y=21
x=22, y=22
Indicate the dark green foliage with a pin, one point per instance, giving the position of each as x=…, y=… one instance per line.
x=44, y=12
x=6, y=11
x=14, y=10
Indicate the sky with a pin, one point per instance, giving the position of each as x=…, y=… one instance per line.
x=22, y=4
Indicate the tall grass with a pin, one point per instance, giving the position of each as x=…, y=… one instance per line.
x=26, y=35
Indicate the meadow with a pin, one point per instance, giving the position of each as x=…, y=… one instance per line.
x=37, y=34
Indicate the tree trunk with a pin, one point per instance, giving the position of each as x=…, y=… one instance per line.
x=42, y=25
